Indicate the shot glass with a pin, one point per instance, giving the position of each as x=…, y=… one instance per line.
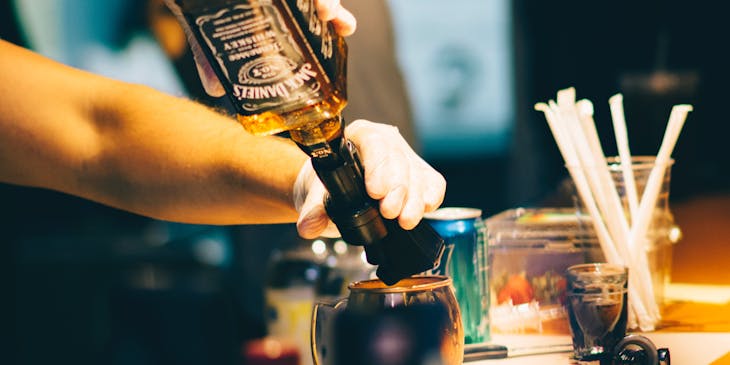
x=596, y=296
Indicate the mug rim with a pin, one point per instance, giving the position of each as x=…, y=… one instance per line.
x=433, y=282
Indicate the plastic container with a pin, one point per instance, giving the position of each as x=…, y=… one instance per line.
x=529, y=251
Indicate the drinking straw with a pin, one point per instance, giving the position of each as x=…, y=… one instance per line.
x=578, y=170
x=656, y=176
x=590, y=154
x=606, y=184
x=574, y=130
x=569, y=116
x=641, y=277
x=580, y=146
x=653, y=185
x=592, y=161
x=571, y=159
x=622, y=143
x=568, y=151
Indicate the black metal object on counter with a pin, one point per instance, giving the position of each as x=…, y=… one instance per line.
x=639, y=350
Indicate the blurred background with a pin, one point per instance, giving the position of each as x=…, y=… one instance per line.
x=87, y=284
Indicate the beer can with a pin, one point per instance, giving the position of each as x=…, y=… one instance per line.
x=465, y=261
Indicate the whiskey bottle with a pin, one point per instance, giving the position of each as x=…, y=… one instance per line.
x=285, y=72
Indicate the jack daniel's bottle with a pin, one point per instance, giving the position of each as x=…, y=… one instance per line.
x=284, y=71
x=283, y=68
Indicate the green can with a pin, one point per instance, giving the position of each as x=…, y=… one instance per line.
x=465, y=260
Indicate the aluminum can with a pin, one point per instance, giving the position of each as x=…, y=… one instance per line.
x=465, y=260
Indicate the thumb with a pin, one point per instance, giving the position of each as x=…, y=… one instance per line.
x=211, y=84
x=208, y=78
x=313, y=221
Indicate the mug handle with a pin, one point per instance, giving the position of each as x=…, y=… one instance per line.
x=322, y=315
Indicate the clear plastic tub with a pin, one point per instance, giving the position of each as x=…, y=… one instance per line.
x=529, y=250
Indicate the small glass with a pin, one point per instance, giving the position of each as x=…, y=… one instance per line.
x=597, y=309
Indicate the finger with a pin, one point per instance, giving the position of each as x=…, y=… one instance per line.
x=434, y=188
x=388, y=177
x=381, y=152
x=312, y=215
x=414, y=205
x=345, y=22
x=208, y=78
x=328, y=9
x=387, y=166
x=331, y=230
x=342, y=19
x=313, y=220
x=393, y=176
x=392, y=205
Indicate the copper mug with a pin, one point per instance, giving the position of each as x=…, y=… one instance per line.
x=417, y=320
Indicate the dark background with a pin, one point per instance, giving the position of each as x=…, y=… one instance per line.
x=73, y=270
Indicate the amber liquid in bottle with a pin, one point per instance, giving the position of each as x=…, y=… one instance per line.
x=312, y=125
x=315, y=126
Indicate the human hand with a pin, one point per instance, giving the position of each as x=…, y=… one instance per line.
x=332, y=10
x=403, y=183
x=327, y=10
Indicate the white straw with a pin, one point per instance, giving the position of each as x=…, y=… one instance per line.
x=607, y=187
x=569, y=117
x=656, y=176
x=614, y=210
x=593, y=159
x=624, y=152
x=600, y=196
x=622, y=241
x=654, y=183
x=571, y=158
x=587, y=147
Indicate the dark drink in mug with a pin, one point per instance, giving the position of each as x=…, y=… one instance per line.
x=597, y=309
x=416, y=321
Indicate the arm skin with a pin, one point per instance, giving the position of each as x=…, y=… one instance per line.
x=137, y=149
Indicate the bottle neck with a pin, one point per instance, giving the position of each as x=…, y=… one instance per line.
x=321, y=140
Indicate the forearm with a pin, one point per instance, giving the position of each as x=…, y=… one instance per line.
x=137, y=149
x=178, y=160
